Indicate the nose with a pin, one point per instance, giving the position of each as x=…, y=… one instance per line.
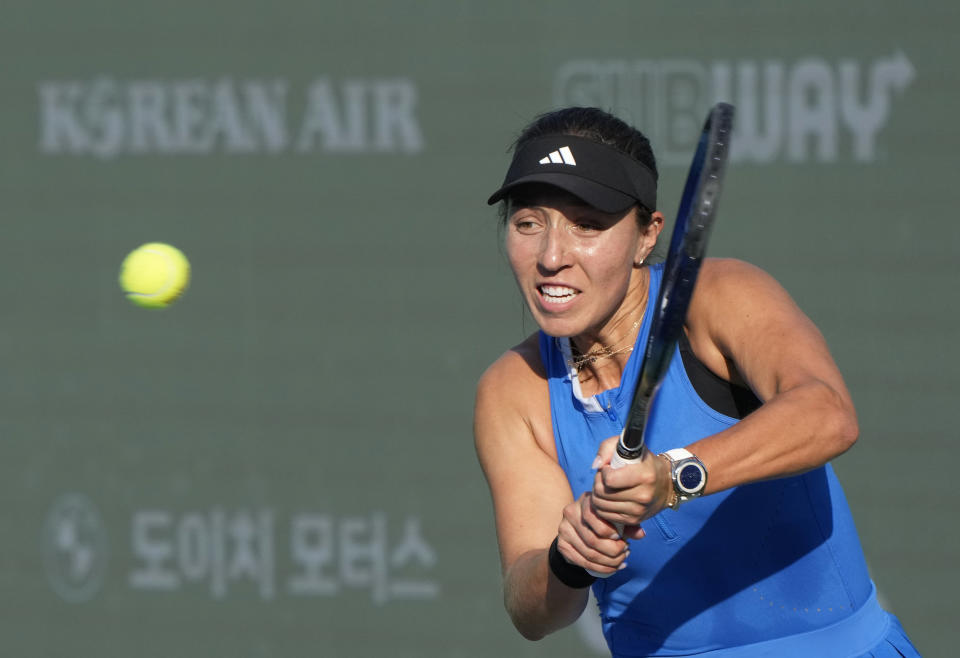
x=554, y=250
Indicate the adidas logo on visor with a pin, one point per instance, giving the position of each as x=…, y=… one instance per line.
x=563, y=155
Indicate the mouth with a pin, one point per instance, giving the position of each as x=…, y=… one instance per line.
x=557, y=294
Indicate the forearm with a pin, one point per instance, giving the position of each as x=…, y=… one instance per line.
x=793, y=432
x=537, y=602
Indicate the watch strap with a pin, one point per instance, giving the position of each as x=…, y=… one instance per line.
x=678, y=454
x=673, y=498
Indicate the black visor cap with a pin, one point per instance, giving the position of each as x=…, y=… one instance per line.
x=601, y=176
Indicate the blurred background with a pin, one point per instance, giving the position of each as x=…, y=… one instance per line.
x=281, y=464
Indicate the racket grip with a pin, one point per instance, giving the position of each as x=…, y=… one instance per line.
x=616, y=462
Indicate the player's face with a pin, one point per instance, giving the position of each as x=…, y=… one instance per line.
x=573, y=263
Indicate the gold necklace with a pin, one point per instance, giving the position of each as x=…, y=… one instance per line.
x=580, y=361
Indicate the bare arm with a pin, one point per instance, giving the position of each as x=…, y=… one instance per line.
x=745, y=327
x=743, y=324
x=532, y=500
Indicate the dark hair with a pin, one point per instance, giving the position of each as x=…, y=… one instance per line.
x=596, y=125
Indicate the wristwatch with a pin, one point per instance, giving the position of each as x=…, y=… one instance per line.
x=689, y=476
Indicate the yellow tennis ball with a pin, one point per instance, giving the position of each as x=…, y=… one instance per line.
x=154, y=275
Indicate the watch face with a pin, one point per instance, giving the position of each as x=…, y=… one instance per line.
x=690, y=478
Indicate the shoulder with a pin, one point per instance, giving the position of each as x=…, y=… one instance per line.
x=743, y=323
x=521, y=364
x=731, y=291
x=513, y=398
x=736, y=307
x=731, y=276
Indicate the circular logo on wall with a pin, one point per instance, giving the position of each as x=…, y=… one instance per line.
x=74, y=548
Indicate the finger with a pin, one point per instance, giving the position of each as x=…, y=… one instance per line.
x=608, y=498
x=633, y=532
x=605, y=452
x=599, y=526
x=603, y=490
x=595, y=532
x=621, y=519
x=631, y=475
x=627, y=509
x=602, y=555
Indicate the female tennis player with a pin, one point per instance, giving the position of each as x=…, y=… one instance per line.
x=738, y=538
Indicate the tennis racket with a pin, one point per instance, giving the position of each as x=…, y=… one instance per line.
x=698, y=208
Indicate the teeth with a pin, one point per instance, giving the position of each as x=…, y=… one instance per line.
x=558, y=292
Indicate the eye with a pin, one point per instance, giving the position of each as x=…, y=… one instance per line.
x=590, y=222
x=587, y=226
x=525, y=224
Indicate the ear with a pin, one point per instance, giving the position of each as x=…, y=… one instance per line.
x=648, y=238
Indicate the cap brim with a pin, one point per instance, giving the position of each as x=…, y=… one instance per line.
x=593, y=194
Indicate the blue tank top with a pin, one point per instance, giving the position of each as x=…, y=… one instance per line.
x=774, y=565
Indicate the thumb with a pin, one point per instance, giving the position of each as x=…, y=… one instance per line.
x=605, y=452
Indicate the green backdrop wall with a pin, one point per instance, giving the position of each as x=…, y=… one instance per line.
x=281, y=464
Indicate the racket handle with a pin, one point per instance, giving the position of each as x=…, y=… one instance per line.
x=616, y=462
x=620, y=462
